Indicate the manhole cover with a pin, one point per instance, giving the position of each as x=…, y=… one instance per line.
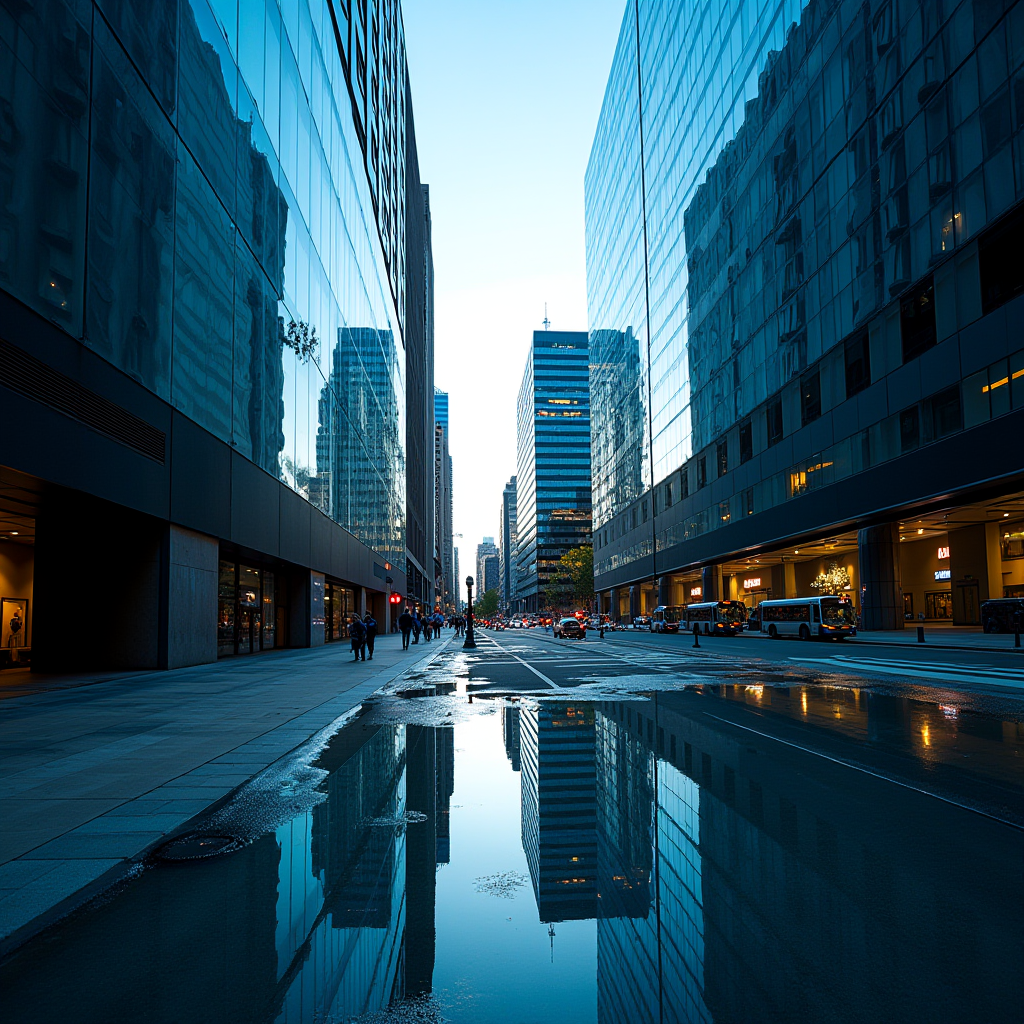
x=195, y=847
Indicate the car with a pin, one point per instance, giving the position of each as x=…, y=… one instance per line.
x=642, y=622
x=1003, y=615
x=594, y=622
x=569, y=628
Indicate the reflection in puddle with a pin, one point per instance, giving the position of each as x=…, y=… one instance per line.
x=620, y=861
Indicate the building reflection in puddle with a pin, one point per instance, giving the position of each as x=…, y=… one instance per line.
x=730, y=878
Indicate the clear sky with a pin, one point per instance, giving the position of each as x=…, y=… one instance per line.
x=506, y=95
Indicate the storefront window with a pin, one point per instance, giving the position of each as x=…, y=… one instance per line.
x=339, y=606
x=226, y=609
x=938, y=605
x=1011, y=544
x=249, y=609
x=269, y=613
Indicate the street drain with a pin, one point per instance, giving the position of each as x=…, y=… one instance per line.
x=197, y=847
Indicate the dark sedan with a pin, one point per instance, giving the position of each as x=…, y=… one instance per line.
x=570, y=629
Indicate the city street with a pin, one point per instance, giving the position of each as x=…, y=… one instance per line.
x=522, y=658
x=650, y=833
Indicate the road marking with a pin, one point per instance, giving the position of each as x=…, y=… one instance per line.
x=954, y=673
x=867, y=771
x=540, y=675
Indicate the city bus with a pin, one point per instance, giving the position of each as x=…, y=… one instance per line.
x=666, y=617
x=831, y=617
x=725, y=617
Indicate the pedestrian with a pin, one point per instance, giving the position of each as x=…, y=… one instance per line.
x=357, y=633
x=417, y=627
x=370, y=624
x=428, y=628
x=405, y=625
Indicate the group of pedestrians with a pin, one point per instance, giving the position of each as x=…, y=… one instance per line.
x=362, y=632
x=411, y=624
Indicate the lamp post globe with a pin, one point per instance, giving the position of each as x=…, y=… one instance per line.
x=470, y=642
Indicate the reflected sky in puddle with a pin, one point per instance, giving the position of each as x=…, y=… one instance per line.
x=571, y=861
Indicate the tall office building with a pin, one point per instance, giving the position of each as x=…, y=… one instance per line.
x=553, y=500
x=507, y=547
x=421, y=574
x=443, y=536
x=444, y=564
x=458, y=579
x=805, y=307
x=441, y=407
x=207, y=273
x=486, y=566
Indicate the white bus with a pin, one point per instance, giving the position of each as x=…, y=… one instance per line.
x=666, y=617
x=725, y=617
x=831, y=617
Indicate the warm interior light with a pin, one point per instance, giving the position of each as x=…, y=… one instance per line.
x=920, y=531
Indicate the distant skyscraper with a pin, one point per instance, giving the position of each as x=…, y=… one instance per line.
x=441, y=407
x=458, y=579
x=488, y=549
x=443, y=561
x=553, y=504
x=507, y=547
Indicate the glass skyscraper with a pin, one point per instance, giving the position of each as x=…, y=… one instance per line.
x=553, y=504
x=204, y=281
x=804, y=302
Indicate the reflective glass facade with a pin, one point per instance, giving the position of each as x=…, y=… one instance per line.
x=789, y=206
x=210, y=195
x=553, y=504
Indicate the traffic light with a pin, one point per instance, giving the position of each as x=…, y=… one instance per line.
x=395, y=598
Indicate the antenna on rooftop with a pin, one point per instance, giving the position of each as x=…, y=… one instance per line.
x=546, y=321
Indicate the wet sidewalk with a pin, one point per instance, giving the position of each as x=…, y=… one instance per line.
x=94, y=773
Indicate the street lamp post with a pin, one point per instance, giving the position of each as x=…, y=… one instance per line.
x=469, y=642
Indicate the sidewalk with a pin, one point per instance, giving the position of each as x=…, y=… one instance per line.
x=949, y=637
x=94, y=773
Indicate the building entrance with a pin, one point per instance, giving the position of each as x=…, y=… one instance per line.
x=247, y=609
x=17, y=572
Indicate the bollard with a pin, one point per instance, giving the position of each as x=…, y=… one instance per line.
x=920, y=634
x=696, y=636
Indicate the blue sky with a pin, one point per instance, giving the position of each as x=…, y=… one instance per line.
x=506, y=95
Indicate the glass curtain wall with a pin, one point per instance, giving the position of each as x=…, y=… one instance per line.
x=185, y=187
x=778, y=172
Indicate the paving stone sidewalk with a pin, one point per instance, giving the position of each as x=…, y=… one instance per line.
x=91, y=776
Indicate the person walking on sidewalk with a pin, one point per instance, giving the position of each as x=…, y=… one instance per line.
x=370, y=624
x=405, y=625
x=357, y=631
x=417, y=627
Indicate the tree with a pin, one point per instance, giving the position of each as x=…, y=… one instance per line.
x=572, y=583
x=487, y=604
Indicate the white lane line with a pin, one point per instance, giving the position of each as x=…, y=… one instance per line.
x=952, y=673
x=540, y=675
x=867, y=771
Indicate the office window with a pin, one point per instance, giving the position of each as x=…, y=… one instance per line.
x=746, y=442
x=684, y=484
x=773, y=415
x=668, y=495
x=945, y=412
x=858, y=363
x=910, y=429
x=748, y=501
x=722, y=453
x=917, y=320
x=643, y=511
x=702, y=471
x=999, y=262
x=810, y=398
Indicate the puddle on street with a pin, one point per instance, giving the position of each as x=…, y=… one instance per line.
x=678, y=858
